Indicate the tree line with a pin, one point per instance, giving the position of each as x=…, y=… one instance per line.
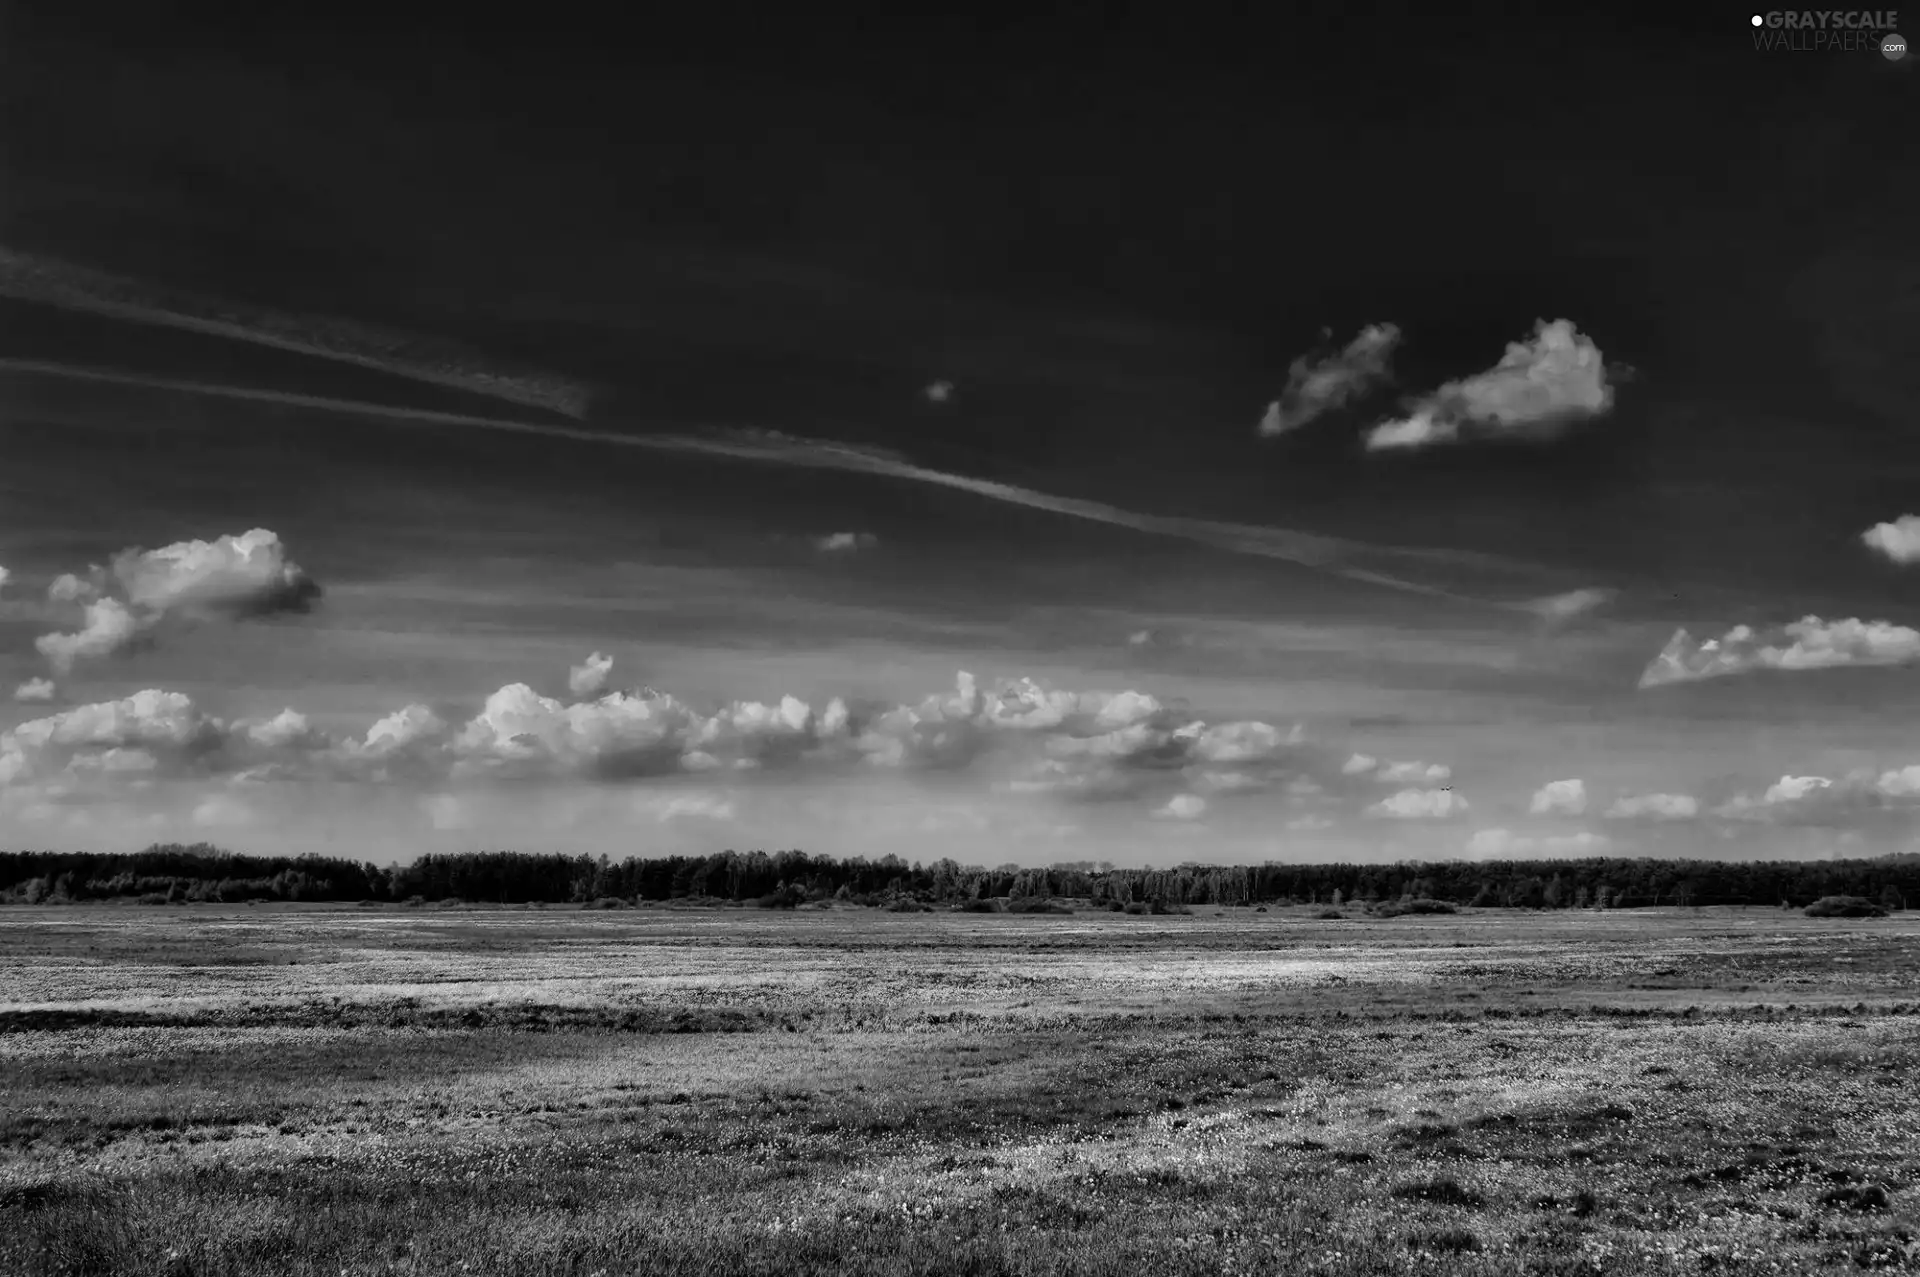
x=175, y=873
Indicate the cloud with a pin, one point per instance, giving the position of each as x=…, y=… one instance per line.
x=222, y=811
x=1557, y=609
x=1807, y=644
x=1420, y=804
x=35, y=689
x=1358, y=765
x=165, y=725
x=1019, y=735
x=5, y=576
x=1898, y=541
x=446, y=812
x=1504, y=844
x=68, y=588
x=1182, y=807
x=1140, y=638
x=1341, y=556
x=108, y=625
x=667, y=808
x=846, y=542
x=590, y=676
x=1413, y=773
x=1560, y=798
x=50, y=282
x=245, y=575
x=938, y=391
x=1538, y=388
x=233, y=576
x=1654, y=807
x=1317, y=386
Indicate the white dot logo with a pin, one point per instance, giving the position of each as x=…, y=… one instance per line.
x=1894, y=47
x=1758, y=20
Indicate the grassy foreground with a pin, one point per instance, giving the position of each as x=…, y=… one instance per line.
x=320, y=1090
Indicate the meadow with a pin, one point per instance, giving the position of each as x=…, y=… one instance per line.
x=339, y=1090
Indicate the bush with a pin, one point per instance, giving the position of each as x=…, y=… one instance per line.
x=1395, y=909
x=908, y=906
x=1443, y=1189
x=1327, y=913
x=1845, y=907
x=1136, y=907
x=977, y=906
x=1035, y=904
x=1166, y=906
x=608, y=902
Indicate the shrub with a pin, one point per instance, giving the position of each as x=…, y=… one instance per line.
x=977, y=906
x=1035, y=904
x=1453, y=1240
x=609, y=902
x=908, y=906
x=1396, y=908
x=1136, y=907
x=1845, y=907
x=1328, y=913
x=1444, y=1190
x=1168, y=906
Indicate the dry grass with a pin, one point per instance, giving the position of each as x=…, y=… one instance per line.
x=308, y=1090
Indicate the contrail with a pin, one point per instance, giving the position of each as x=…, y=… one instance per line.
x=26, y=277
x=1308, y=549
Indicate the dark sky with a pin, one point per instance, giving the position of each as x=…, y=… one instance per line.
x=1113, y=233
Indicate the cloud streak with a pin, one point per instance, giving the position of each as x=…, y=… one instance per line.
x=1340, y=556
x=27, y=277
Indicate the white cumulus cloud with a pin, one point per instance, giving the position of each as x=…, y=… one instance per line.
x=107, y=626
x=1317, y=386
x=1505, y=844
x=1807, y=644
x=233, y=576
x=35, y=689
x=1183, y=807
x=1654, y=807
x=1899, y=540
x=846, y=542
x=588, y=677
x=1413, y=773
x=1420, y=804
x=1538, y=387
x=1560, y=798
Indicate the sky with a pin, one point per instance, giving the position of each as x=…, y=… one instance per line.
x=1039, y=442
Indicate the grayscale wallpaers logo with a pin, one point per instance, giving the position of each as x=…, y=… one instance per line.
x=1830, y=31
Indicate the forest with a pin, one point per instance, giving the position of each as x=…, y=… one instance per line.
x=179, y=874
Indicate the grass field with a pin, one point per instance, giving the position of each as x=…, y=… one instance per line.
x=288, y=1089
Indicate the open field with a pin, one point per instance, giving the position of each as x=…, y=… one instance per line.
x=299, y=1089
